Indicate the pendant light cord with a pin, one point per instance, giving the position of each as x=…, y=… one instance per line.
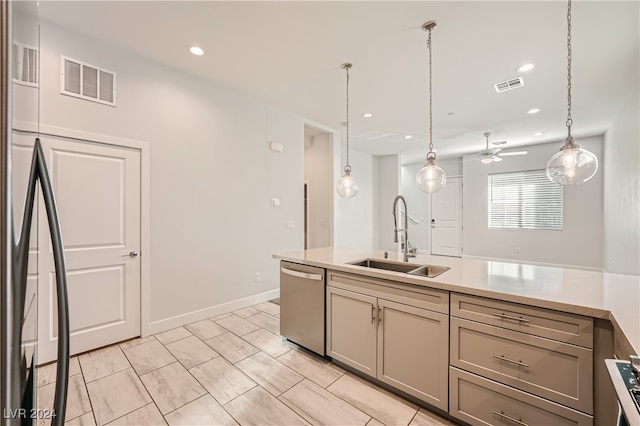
x=569, y=119
x=430, y=96
x=347, y=66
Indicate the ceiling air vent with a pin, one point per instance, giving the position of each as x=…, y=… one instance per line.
x=25, y=64
x=85, y=81
x=514, y=83
x=498, y=143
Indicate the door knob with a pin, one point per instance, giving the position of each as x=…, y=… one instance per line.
x=132, y=253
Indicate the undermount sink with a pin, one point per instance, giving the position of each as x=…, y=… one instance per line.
x=429, y=271
x=387, y=265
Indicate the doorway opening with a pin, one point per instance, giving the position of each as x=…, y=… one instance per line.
x=318, y=188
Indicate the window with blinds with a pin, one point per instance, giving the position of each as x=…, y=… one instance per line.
x=524, y=200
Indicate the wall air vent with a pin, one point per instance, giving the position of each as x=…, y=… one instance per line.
x=514, y=83
x=25, y=64
x=85, y=81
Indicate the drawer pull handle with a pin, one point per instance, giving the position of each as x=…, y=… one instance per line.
x=512, y=361
x=379, y=315
x=510, y=317
x=373, y=314
x=511, y=419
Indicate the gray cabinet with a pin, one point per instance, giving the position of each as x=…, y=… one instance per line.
x=519, y=364
x=412, y=351
x=385, y=331
x=479, y=401
x=351, y=329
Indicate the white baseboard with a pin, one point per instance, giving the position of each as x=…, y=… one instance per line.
x=212, y=311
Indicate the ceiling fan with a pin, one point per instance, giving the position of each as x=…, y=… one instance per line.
x=494, y=155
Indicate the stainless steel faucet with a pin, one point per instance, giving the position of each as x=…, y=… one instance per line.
x=405, y=242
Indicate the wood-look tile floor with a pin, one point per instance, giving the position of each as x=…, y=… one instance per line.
x=227, y=370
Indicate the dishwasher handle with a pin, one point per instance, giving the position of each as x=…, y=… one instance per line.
x=307, y=276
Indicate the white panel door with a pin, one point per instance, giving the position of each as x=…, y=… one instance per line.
x=21, y=155
x=97, y=190
x=446, y=219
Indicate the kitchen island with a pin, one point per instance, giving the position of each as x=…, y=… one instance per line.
x=550, y=315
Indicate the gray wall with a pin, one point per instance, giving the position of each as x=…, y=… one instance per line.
x=212, y=173
x=578, y=244
x=354, y=216
x=386, y=172
x=622, y=191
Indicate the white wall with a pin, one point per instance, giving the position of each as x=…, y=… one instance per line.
x=355, y=215
x=578, y=244
x=317, y=174
x=622, y=191
x=418, y=206
x=386, y=178
x=212, y=173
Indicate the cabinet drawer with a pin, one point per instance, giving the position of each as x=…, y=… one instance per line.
x=569, y=328
x=421, y=297
x=480, y=401
x=557, y=371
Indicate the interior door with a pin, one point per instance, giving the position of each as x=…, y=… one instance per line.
x=446, y=219
x=97, y=188
x=21, y=155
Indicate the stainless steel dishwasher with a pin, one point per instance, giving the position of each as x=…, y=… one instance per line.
x=302, y=295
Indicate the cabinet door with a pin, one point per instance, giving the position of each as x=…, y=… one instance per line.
x=351, y=329
x=413, y=351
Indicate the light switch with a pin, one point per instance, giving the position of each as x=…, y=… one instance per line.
x=275, y=146
x=275, y=202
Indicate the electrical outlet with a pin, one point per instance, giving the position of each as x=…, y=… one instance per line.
x=256, y=277
x=517, y=249
x=291, y=224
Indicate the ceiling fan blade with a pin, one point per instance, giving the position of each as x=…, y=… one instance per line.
x=512, y=153
x=496, y=158
x=493, y=151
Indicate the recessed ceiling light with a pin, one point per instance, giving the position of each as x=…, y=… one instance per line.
x=196, y=50
x=538, y=134
x=367, y=115
x=533, y=111
x=525, y=68
x=408, y=136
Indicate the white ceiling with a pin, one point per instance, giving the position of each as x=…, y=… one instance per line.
x=289, y=54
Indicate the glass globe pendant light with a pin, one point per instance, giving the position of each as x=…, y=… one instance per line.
x=572, y=165
x=347, y=186
x=430, y=178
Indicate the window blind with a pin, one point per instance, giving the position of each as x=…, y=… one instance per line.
x=524, y=200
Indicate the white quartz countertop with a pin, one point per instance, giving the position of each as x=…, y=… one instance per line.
x=614, y=297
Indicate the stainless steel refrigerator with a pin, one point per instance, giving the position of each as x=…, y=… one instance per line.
x=20, y=188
